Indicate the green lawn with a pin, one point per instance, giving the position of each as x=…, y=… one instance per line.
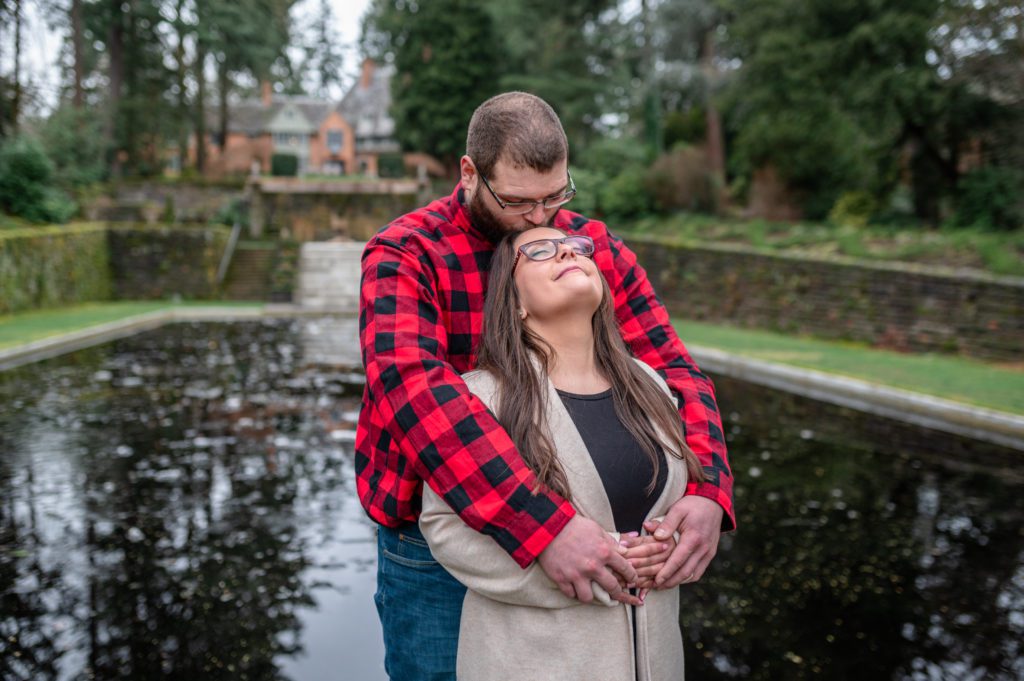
x=32, y=326
x=987, y=385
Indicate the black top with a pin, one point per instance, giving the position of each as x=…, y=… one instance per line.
x=622, y=463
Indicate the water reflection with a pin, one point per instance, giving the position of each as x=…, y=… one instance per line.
x=867, y=550
x=181, y=505
x=175, y=505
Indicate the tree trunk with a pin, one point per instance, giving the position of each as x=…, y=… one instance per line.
x=78, y=97
x=224, y=85
x=200, y=105
x=183, y=117
x=715, y=140
x=652, y=99
x=115, y=54
x=16, y=98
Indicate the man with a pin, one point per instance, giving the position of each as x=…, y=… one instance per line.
x=421, y=310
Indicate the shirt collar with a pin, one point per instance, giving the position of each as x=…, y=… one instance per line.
x=457, y=202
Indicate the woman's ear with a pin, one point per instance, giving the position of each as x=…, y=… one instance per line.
x=522, y=313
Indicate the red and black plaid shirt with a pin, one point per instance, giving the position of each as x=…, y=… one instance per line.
x=420, y=320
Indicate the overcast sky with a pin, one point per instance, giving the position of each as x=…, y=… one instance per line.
x=41, y=46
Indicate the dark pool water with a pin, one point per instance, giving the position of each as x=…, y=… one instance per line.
x=181, y=505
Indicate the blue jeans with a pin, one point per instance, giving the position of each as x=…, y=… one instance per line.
x=419, y=605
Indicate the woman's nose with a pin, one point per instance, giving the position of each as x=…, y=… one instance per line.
x=565, y=251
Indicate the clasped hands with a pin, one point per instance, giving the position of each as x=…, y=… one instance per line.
x=582, y=552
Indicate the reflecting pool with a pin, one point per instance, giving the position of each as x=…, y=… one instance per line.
x=181, y=505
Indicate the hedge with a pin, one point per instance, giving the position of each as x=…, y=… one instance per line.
x=57, y=266
x=53, y=266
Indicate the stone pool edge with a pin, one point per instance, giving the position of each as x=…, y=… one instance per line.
x=63, y=343
x=958, y=418
x=980, y=423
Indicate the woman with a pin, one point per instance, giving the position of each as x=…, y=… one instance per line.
x=596, y=426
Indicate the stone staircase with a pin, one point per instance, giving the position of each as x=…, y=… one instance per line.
x=249, y=275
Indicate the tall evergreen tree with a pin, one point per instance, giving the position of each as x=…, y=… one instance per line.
x=446, y=57
x=570, y=54
x=322, y=59
x=244, y=37
x=131, y=38
x=827, y=89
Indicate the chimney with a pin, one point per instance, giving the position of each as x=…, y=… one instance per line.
x=266, y=93
x=367, y=75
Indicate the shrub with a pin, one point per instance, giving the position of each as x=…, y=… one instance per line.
x=991, y=197
x=284, y=165
x=853, y=209
x=235, y=211
x=72, y=139
x=612, y=155
x=391, y=165
x=627, y=195
x=26, y=175
x=817, y=150
x=588, y=184
x=685, y=127
x=679, y=180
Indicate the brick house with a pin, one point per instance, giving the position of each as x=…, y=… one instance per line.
x=343, y=138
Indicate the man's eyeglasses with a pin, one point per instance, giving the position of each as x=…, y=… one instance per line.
x=545, y=249
x=524, y=207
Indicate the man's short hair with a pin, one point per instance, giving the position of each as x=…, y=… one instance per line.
x=519, y=128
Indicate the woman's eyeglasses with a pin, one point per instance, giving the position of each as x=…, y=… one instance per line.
x=545, y=249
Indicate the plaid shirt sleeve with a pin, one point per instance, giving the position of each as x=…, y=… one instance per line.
x=645, y=326
x=422, y=415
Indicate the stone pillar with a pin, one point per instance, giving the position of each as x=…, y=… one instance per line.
x=329, y=275
x=257, y=211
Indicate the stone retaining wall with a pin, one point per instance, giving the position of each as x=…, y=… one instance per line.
x=163, y=262
x=154, y=201
x=903, y=307
x=309, y=210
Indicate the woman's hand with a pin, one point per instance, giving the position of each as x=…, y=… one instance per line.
x=646, y=554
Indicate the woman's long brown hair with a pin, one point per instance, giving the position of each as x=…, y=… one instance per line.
x=506, y=350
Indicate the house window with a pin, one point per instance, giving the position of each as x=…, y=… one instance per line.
x=286, y=139
x=335, y=140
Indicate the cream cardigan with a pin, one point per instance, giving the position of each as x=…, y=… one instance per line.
x=516, y=623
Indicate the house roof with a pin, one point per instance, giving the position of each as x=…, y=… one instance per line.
x=252, y=116
x=366, y=105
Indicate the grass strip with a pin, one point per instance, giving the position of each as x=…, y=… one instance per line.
x=995, y=386
x=27, y=327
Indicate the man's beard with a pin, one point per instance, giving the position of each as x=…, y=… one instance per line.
x=488, y=224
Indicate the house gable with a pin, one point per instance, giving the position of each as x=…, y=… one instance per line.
x=290, y=120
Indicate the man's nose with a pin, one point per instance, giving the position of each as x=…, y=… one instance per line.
x=537, y=216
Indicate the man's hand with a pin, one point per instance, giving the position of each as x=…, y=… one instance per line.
x=699, y=523
x=583, y=552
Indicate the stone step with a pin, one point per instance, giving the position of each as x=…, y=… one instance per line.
x=249, y=275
